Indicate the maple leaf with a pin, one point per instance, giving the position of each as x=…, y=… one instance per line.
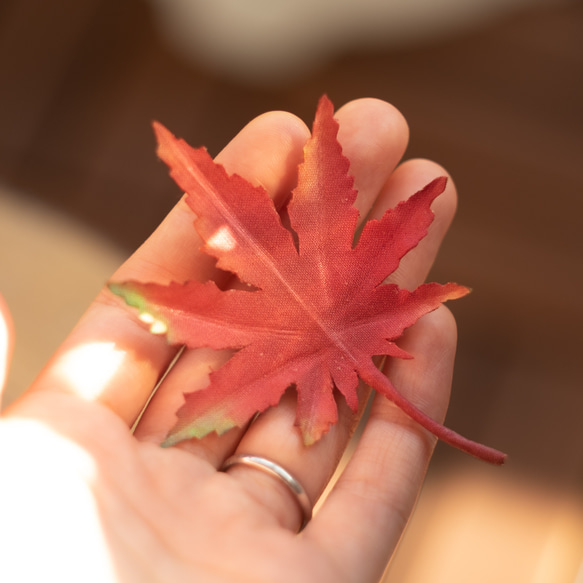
x=316, y=312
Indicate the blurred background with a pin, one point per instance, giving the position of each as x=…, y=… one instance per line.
x=492, y=89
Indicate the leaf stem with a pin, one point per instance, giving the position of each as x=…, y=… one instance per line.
x=378, y=381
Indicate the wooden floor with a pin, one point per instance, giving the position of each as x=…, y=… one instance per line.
x=501, y=106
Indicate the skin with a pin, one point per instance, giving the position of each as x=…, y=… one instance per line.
x=81, y=496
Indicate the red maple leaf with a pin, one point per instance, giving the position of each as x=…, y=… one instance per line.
x=316, y=311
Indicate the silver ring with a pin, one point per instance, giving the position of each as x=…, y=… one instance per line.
x=273, y=469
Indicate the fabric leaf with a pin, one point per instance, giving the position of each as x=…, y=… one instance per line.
x=318, y=310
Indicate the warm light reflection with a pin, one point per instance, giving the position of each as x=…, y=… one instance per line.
x=3, y=350
x=90, y=367
x=47, y=504
x=483, y=527
x=222, y=239
x=156, y=326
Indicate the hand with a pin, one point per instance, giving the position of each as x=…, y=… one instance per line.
x=82, y=498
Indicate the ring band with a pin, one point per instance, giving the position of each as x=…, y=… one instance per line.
x=273, y=469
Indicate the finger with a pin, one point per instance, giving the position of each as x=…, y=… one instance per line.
x=410, y=177
x=266, y=152
x=6, y=343
x=112, y=359
x=361, y=521
x=374, y=136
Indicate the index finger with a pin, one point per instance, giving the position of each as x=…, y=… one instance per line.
x=109, y=357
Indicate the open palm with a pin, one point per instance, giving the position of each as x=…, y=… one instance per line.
x=84, y=498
